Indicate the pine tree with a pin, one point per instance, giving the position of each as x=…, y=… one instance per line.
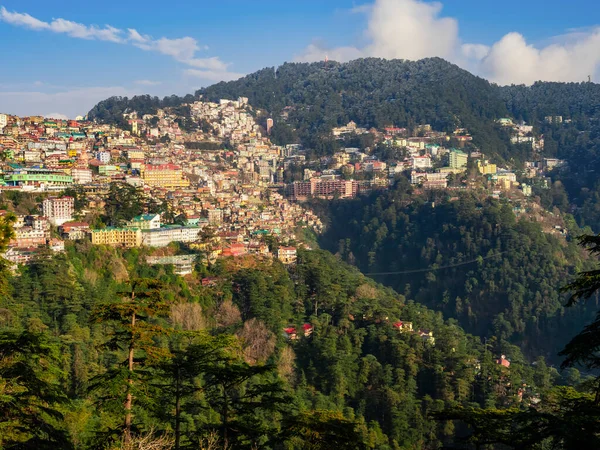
x=30, y=392
x=132, y=330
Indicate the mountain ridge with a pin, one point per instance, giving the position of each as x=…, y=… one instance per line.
x=373, y=92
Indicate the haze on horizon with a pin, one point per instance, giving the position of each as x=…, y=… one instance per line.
x=63, y=60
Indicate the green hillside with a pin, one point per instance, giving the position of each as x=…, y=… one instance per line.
x=467, y=256
x=352, y=379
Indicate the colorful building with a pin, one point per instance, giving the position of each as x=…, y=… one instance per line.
x=126, y=237
x=458, y=159
x=485, y=168
x=36, y=177
x=58, y=210
x=164, y=175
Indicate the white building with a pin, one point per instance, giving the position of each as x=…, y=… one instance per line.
x=58, y=210
x=3, y=121
x=161, y=237
x=81, y=176
x=287, y=255
x=182, y=264
x=103, y=157
x=146, y=222
x=421, y=162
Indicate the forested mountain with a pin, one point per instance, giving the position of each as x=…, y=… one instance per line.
x=111, y=110
x=467, y=256
x=374, y=93
x=211, y=361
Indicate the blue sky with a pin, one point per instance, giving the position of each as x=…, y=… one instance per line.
x=62, y=57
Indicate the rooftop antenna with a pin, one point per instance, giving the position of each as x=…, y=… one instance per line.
x=589, y=78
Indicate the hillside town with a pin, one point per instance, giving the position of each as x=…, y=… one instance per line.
x=430, y=159
x=226, y=186
x=221, y=198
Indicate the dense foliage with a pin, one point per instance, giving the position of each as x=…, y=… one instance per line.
x=135, y=352
x=466, y=256
x=112, y=109
x=565, y=417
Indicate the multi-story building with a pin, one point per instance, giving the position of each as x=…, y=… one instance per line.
x=3, y=121
x=287, y=255
x=423, y=177
x=323, y=188
x=161, y=237
x=18, y=256
x=458, y=159
x=164, y=175
x=215, y=216
x=126, y=237
x=38, y=178
x=29, y=237
x=107, y=169
x=182, y=264
x=74, y=230
x=103, y=157
x=485, y=168
x=81, y=176
x=58, y=210
x=146, y=222
x=421, y=162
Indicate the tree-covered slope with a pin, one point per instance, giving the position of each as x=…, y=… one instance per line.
x=356, y=378
x=466, y=256
x=374, y=93
x=112, y=109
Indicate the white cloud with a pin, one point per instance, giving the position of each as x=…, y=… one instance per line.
x=182, y=50
x=147, y=82
x=136, y=37
x=213, y=75
x=410, y=29
x=415, y=29
x=73, y=29
x=513, y=60
x=207, y=63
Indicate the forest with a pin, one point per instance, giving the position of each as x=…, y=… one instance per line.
x=466, y=255
x=100, y=350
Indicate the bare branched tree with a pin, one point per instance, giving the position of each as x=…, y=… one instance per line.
x=285, y=366
x=257, y=341
x=188, y=316
x=148, y=441
x=227, y=314
x=212, y=442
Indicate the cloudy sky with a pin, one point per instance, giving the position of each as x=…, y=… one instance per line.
x=60, y=58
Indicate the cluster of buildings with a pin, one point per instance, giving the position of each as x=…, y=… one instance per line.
x=215, y=168
x=428, y=157
x=521, y=133
x=219, y=173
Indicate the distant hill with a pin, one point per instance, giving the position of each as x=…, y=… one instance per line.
x=372, y=92
x=377, y=92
